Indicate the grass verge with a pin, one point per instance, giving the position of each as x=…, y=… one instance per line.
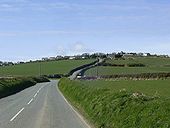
x=9, y=86
x=107, y=107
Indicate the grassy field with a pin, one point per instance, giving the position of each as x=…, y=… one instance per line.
x=152, y=65
x=121, y=104
x=160, y=88
x=148, y=61
x=103, y=70
x=33, y=69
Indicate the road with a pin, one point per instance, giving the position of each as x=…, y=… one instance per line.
x=76, y=73
x=40, y=106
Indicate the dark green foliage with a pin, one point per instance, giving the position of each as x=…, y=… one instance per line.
x=40, y=79
x=117, y=109
x=139, y=76
x=123, y=65
x=136, y=65
x=113, y=65
x=10, y=86
x=81, y=67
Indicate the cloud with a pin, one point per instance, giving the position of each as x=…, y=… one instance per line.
x=72, y=49
x=7, y=7
x=156, y=47
x=61, y=50
x=50, y=32
x=4, y=34
x=79, y=48
x=18, y=5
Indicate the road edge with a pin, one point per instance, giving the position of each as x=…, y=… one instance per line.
x=73, y=108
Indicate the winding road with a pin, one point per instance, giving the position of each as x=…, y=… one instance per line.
x=40, y=106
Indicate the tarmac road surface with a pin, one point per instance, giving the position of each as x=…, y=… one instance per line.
x=40, y=106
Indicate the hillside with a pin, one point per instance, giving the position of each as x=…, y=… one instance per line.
x=43, y=68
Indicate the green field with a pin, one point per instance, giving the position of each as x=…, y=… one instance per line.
x=110, y=103
x=51, y=67
x=101, y=70
x=160, y=88
x=152, y=65
x=148, y=61
x=121, y=104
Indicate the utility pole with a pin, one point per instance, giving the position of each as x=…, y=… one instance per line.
x=97, y=69
x=40, y=69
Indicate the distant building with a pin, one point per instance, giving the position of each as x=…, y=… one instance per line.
x=111, y=56
x=140, y=54
x=59, y=57
x=72, y=57
x=52, y=58
x=45, y=59
x=128, y=55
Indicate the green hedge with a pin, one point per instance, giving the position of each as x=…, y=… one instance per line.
x=138, y=76
x=9, y=86
x=122, y=65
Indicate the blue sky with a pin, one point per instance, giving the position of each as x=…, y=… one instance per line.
x=31, y=29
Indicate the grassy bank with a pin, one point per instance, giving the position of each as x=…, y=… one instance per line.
x=46, y=68
x=121, y=104
x=9, y=86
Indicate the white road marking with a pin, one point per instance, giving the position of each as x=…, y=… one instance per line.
x=17, y=114
x=40, y=89
x=35, y=95
x=27, y=103
x=30, y=101
x=81, y=118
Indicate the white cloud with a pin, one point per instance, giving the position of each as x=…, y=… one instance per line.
x=61, y=50
x=7, y=34
x=157, y=48
x=72, y=49
x=50, y=32
x=79, y=48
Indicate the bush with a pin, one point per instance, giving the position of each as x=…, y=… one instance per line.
x=138, y=76
x=9, y=86
x=81, y=67
x=136, y=65
x=122, y=65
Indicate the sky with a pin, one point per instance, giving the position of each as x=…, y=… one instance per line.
x=32, y=29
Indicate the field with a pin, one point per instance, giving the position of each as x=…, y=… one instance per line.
x=160, y=88
x=152, y=65
x=101, y=70
x=148, y=61
x=34, y=69
x=121, y=104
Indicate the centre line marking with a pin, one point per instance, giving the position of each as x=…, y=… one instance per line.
x=17, y=114
x=35, y=95
x=30, y=101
